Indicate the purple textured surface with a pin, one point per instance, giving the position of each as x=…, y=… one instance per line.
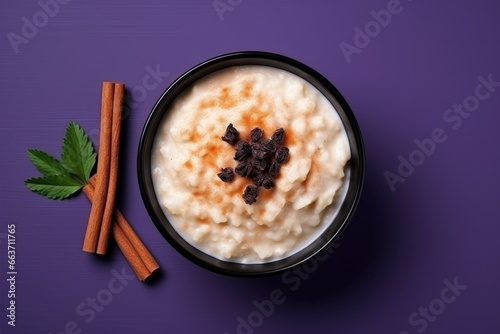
x=404, y=248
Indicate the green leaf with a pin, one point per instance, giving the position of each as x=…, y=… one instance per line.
x=78, y=155
x=46, y=164
x=62, y=178
x=54, y=186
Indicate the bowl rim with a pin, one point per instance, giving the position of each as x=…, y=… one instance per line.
x=246, y=58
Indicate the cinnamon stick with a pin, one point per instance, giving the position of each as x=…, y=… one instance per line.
x=107, y=219
x=137, y=244
x=98, y=205
x=131, y=254
x=136, y=253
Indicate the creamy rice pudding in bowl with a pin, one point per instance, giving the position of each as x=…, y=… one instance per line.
x=250, y=163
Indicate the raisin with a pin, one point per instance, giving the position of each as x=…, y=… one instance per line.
x=269, y=146
x=243, y=145
x=278, y=136
x=282, y=154
x=258, y=159
x=250, y=194
x=260, y=165
x=232, y=135
x=243, y=150
x=267, y=182
x=274, y=169
x=256, y=134
x=226, y=174
x=244, y=168
x=258, y=151
x=258, y=178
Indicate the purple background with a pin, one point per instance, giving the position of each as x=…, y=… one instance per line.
x=441, y=223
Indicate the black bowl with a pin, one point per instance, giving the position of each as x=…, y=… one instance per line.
x=356, y=163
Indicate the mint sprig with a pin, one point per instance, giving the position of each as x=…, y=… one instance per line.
x=62, y=178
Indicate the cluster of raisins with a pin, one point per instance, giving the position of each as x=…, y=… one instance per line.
x=259, y=160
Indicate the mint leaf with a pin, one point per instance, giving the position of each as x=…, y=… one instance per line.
x=78, y=155
x=45, y=163
x=62, y=178
x=54, y=186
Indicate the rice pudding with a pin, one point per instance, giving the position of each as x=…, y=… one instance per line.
x=188, y=154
